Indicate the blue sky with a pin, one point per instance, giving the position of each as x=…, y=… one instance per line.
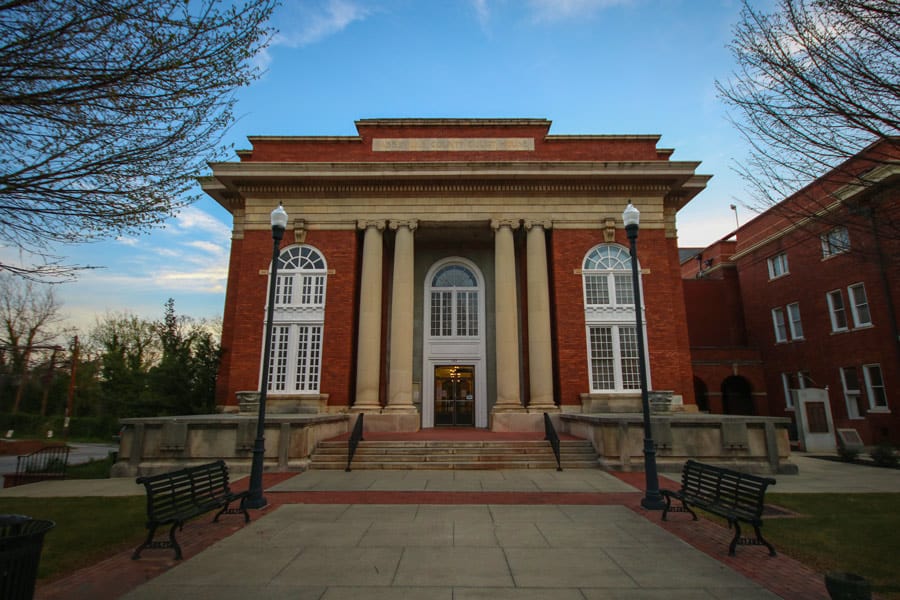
x=590, y=66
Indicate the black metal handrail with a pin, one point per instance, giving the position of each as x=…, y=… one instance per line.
x=355, y=438
x=551, y=436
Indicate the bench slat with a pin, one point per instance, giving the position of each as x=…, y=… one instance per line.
x=730, y=494
x=175, y=497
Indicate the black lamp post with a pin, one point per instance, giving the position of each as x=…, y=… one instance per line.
x=652, y=499
x=255, y=498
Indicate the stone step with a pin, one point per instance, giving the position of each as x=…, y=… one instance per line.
x=437, y=466
x=361, y=450
x=445, y=454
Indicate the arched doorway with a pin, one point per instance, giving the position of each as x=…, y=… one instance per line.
x=737, y=396
x=454, y=390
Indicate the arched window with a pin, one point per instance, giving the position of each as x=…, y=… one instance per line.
x=454, y=302
x=301, y=277
x=607, y=277
x=296, y=350
x=610, y=319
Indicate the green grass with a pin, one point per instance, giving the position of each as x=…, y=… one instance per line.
x=87, y=529
x=841, y=532
x=95, y=469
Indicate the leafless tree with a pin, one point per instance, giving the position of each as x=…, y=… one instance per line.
x=31, y=321
x=818, y=82
x=109, y=109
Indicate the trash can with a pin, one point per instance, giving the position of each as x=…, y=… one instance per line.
x=21, y=540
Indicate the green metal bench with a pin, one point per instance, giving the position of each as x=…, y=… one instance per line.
x=177, y=496
x=730, y=494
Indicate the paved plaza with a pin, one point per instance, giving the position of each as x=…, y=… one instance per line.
x=460, y=535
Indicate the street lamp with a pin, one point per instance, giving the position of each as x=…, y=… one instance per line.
x=255, y=498
x=652, y=499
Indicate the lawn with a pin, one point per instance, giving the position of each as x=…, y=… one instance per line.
x=841, y=532
x=87, y=529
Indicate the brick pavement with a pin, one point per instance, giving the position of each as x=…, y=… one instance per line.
x=118, y=574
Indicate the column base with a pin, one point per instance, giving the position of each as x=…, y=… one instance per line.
x=402, y=409
x=369, y=410
x=392, y=422
x=517, y=421
x=541, y=409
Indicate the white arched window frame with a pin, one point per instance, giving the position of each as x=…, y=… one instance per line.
x=609, y=315
x=296, y=345
x=454, y=294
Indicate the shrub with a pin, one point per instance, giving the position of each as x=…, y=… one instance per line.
x=848, y=454
x=884, y=455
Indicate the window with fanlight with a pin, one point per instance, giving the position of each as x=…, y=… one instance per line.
x=609, y=304
x=297, y=324
x=454, y=303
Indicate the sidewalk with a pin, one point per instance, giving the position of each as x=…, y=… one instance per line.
x=461, y=535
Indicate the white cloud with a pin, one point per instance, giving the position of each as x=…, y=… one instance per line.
x=318, y=22
x=482, y=12
x=561, y=10
x=195, y=221
x=128, y=241
x=209, y=247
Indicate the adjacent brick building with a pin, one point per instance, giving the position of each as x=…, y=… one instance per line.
x=806, y=295
x=454, y=271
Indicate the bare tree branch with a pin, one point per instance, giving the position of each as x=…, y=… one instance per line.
x=110, y=109
x=817, y=83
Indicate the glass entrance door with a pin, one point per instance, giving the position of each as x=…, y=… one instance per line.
x=454, y=395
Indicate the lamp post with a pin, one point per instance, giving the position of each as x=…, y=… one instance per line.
x=652, y=499
x=255, y=498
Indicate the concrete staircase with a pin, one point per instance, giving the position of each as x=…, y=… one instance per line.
x=454, y=454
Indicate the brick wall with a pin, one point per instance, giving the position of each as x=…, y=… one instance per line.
x=667, y=338
x=245, y=301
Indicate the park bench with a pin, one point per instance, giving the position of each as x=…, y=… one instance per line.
x=47, y=463
x=730, y=494
x=177, y=496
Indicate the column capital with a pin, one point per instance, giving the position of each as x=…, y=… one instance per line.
x=377, y=224
x=529, y=224
x=411, y=224
x=498, y=223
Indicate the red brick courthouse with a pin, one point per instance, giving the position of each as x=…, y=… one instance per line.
x=439, y=273
x=455, y=272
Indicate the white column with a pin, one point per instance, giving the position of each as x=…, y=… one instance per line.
x=540, y=353
x=368, y=358
x=507, y=316
x=401, y=355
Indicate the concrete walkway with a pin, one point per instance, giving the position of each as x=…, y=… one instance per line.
x=529, y=534
x=456, y=552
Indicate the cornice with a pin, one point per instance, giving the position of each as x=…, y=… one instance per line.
x=442, y=188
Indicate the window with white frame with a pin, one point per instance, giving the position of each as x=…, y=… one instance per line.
x=852, y=393
x=793, y=381
x=454, y=302
x=778, y=265
x=859, y=305
x=780, y=324
x=835, y=241
x=296, y=344
x=875, y=387
x=794, y=320
x=787, y=387
x=609, y=301
x=836, y=310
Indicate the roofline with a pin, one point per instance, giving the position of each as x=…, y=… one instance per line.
x=444, y=122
